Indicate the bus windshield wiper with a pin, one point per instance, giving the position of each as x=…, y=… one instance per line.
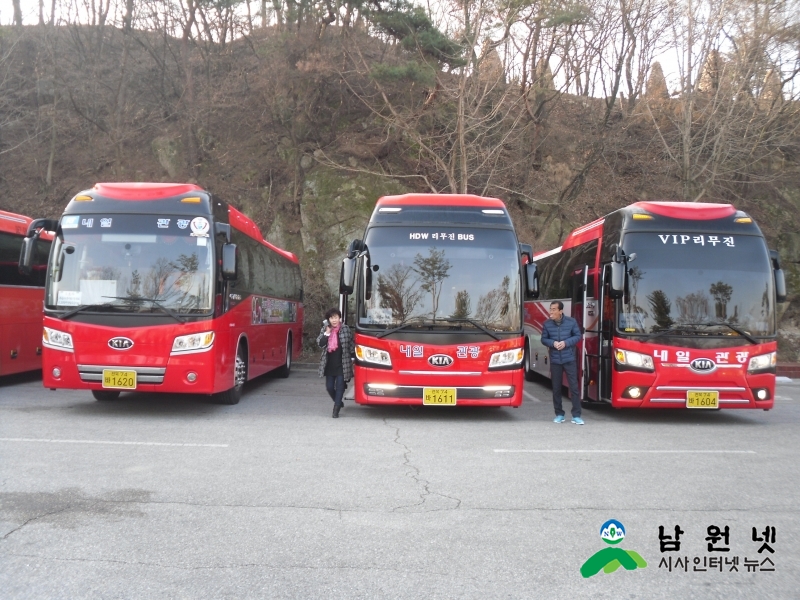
x=682, y=328
x=693, y=327
x=472, y=322
x=83, y=307
x=403, y=325
x=155, y=303
x=740, y=332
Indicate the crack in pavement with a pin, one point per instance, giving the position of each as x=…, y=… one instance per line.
x=413, y=472
x=37, y=517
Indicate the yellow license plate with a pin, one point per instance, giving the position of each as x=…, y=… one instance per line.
x=119, y=380
x=439, y=396
x=702, y=399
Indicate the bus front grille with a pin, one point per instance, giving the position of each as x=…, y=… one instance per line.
x=143, y=374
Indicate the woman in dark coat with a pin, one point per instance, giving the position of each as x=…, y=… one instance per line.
x=335, y=364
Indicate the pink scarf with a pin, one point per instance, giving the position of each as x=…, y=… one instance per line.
x=333, y=339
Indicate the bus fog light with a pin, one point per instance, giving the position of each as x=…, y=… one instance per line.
x=634, y=391
x=761, y=393
x=56, y=372
x=191, y=377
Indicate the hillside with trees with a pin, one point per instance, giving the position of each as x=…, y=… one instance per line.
x=302, y=113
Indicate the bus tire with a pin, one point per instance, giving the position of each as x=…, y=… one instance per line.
x=284, y=370
x=530, y=374
x=233, y=395
x=104, y=396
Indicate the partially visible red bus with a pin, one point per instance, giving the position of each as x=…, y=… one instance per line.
x=438, y=284
x=20, y=297
x=164, y=288
x=677, y=302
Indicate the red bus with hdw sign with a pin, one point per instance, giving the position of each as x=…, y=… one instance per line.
x=164, y=288
x=438, y=285
x=677, y=304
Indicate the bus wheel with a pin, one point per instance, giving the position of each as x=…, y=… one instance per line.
x=284, y=370
x=103, y=396
x=233, y=395
x=530, y=375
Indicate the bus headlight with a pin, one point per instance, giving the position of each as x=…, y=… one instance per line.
x=763, y=363
x=373, y=355
x=634, y=360
x=52, y=338
x=506, y=358
x=196, y=342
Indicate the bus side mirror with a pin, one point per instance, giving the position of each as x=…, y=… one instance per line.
x=616, y=287
x=223, y=229
x=26, y=254
x=526, y=250
x=229, y=263
x=347, y=276
x=780, y=278
x=354, y=248
x=531, y=280
x=780, y=285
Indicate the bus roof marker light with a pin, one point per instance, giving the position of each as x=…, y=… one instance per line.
x=191, y=200
x=493, y=211
x=743, y=220
x=83, y=198
x=642, y=217
x=387, y=209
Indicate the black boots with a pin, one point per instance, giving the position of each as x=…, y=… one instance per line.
x=336, y=409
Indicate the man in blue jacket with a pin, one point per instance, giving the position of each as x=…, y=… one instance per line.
x=561, y=334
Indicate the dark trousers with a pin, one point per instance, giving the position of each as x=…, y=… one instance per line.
x=335, y=386
x=556, y=372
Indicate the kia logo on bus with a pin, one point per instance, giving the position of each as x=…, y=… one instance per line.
x=440, y=360
x=703, y=365
x=120, y=343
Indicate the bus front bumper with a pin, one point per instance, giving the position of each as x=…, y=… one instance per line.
x=377, y=386
x=172, y=375
x=660, y=391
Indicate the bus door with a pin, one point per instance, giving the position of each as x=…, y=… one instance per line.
x=605, y=332
x=579, y=289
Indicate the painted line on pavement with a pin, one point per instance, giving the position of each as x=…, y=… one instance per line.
x=505, y=451
x=531, y=396
x=113, y=443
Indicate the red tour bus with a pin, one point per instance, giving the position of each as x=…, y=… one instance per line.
x=20, y=297
x=438, y=285
x=677, y=304
x=164, y=288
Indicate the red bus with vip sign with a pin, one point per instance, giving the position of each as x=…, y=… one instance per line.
x=677, y=304
x=438, y=283
x=20, y=297
x=164, y=288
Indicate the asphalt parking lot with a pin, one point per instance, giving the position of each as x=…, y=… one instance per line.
x=174, y=497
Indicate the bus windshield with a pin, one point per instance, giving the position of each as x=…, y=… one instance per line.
x=706, y=284
x=454, y=277
x=132, y=263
